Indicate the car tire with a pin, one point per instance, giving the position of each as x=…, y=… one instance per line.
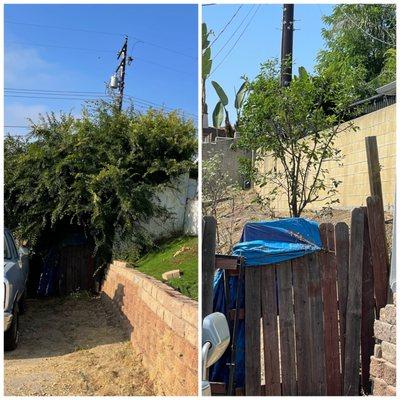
x=22, y=304
x=11, y=335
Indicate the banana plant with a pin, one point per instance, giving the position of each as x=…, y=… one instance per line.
x=206, y=62
x=220, y=110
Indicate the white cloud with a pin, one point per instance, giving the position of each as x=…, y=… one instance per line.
x=24, y=67
x=19, y=114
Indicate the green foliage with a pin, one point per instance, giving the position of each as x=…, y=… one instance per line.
x=206, y=52
x=221, y=94
x=216, y=184
x=99, y=172
x=358, y=38
x=220, y=107
x=218, y=114
x=297, y=125
x=178, y=253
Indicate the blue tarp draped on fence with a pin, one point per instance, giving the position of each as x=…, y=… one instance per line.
x=261, y=243
x=273, y=242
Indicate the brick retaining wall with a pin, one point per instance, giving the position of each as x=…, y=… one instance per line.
x=383, y=362
x=162, y=325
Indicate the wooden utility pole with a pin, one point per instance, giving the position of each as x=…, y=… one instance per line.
x=120, y=71
x=287, y=44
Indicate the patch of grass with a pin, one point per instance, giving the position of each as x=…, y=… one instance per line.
x=178, y=253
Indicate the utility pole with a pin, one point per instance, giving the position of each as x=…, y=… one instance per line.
x=118, y=80
x=287, y=44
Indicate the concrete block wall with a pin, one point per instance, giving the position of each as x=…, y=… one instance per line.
x=383, y=362
x=230, y=156
x=162, y=324
x=354, y=189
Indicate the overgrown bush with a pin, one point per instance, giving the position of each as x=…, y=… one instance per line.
x=99, y=172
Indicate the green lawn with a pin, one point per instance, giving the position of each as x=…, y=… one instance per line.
x=163, y=260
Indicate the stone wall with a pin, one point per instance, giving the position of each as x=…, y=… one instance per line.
x=162, y=324
x=383, y=362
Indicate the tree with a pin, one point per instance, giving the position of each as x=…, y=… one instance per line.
x=99, y=172
x=361, y=39
x=292, y=125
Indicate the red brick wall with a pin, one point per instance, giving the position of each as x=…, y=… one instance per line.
x=162, y=325
x=383, y=362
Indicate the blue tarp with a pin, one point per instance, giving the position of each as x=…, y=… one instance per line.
x=272, y=242
x=261, y=243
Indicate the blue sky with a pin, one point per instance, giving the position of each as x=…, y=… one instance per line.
x=158, y=75
x=261, y=40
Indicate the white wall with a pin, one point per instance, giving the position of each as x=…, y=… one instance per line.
x=181, y=202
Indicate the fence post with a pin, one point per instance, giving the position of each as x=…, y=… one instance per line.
x=208, y=263
x=374, y=169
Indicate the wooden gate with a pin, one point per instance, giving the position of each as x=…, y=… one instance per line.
x=311, y=319
x=77, y=267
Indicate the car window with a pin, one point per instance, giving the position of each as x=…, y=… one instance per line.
x=13, y=245
x=7, y=253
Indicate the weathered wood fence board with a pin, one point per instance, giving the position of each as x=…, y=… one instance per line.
x=286, y=329
x=331, y=323
x=367, y=313
x=269, y=312
x=302, y=320
x=318, y=378
x=252, y=329
x=353, y=316
x=342, y=263
x=379, y=252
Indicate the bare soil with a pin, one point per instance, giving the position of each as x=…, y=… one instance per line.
x=73, y=346
x=232, y=214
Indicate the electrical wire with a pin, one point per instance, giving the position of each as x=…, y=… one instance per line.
x=234, y=45
x=101, y=33
x=82, y=96
x=226, y=25
x=234, y=33
x=100, y=51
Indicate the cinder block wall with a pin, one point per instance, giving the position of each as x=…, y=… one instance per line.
x=383, y=362
x=354, y=189
x=230, y=156
x=162, y=324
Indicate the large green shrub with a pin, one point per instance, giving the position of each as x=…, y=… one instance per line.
x=98, y=172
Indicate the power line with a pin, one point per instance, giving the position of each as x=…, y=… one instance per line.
x=82, y=96
x=226, y=25
x=99, y=51
x=101, y=33
x=231, y=49
x=234, y=33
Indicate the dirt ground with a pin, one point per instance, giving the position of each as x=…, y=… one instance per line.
x=73, y=346
x=233, y=214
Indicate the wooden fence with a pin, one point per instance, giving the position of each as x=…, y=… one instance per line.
x=313, y=316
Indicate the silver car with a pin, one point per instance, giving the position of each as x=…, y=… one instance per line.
x=16, y=266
